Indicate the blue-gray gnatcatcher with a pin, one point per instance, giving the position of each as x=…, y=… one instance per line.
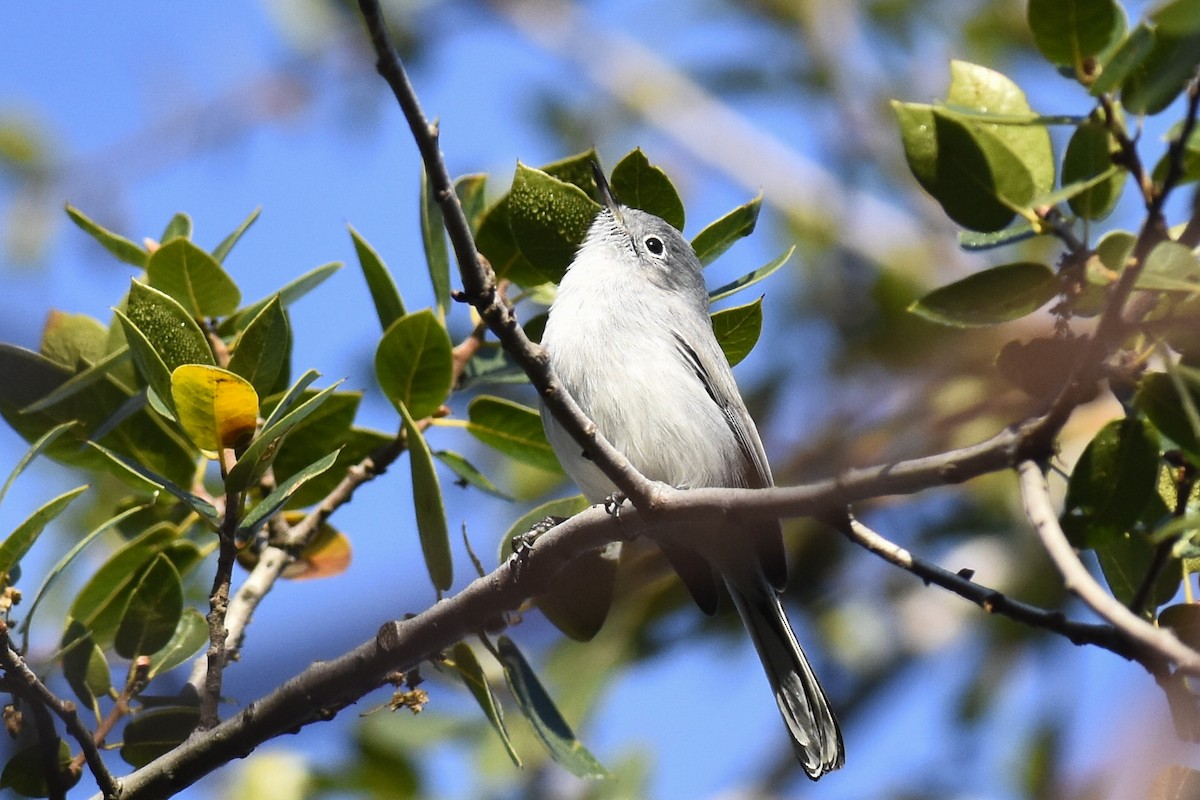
x=630, y=337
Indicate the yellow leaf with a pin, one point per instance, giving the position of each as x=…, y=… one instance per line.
x=328, y=553
x=216, y=407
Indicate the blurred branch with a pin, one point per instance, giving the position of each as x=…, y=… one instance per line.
x=1157, y=647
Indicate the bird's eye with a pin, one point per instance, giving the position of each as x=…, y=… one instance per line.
x=654, y=245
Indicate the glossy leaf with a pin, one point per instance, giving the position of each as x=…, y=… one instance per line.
x=17, y=543
x=261, y=452
x=995, y=295
x=414, y=363
x=548, y=218
x=389, y=306
x=1160, y=400
x=427, y=503
x=433, y=237
x=1090, y=155
x=156, y=731
x=547, y=721
x=750, y=278
x=262, y=348
x=217, y=408
x=471, y=672
x=191, y=634
x=152, y=612
x=276, y=499
x=468, y=474
x=114, y=243
x=194, y=278
x=720, y=235
x=221, y=251
x=1068, y=31
x=639, y=184
x=737, y=330
x=180, y=227
x=513, y=429
x=1112, y=483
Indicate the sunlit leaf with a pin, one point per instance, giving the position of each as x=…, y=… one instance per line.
x=180, y=227
x=428, y=505
x=221, y=251
x=1089, y=155
x=639, y=184
x=191, y=634
x=433, y=237
x=17, y=543
x=720, y=235
x=751, y=278
x=513, y=429
x=389, y=307
x=549, y=218
x=114, y=243
x=40, y=446
x=414, y=363
x=261, y=349
x=737, y=330
x=468, y=474
x=995, y=295
x=276, y=499
x=217, y=408
x=1111, y=484
x=261, y=452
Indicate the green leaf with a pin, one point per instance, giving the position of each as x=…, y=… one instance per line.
x=85, y=668
x=1068, y=31
x=1125, y=60
x=101, y=602
x=562, y=507
x=750, y=278
x=720, y=235
x=1090, y=154
x=221, y=251
x=974, y=241
x=157, y=731
x=539, y=709
x=154, y=608
x=549, y=218
x=217, y=408
x=996, y=295
x=1170, y=267
x=1163, y=74
x=40, y=446
x=639, y=184
x=1177, y=17
x=513, y=429
x=25, y=772
x=261, y=452
x=414, y=363
x=471, y=191
x=194, y=502
x=261, y=349
x=1114, y=480
x=326, y=430
x=494, y=239
x=737, y=330
x=150, y=366
x=190, y=635
x=1126, y=560
x=295, y=393
x=168, y=326
x=290, y=293
x=180, y=227
x=427, y=502
x=389, y=307
x=468, y=474
x=280, y=495
x=17, y=544
x=194, y=278
x=468, y=668
x=1160, y=401
x=73, y=339
x=103, y=368
x=433, y=237
x=114, y=243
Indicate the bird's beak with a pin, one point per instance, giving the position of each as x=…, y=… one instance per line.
x=606, y=192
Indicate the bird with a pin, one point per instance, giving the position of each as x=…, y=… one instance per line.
x=630, y=338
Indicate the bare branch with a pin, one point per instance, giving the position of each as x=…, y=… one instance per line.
x=1158, y=646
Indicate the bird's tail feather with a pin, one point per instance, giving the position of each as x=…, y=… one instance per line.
x=816, y=737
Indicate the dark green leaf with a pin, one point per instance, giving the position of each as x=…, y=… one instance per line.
x=85, y=668
x=1112, y=483
x=168, y=326
x=114, y=243
x=1089, y=155
x=25, y=772
x=1126, y=559
x=280, y=495
x=180, y=227
x=194, y=502
x=720, y=235
x=548, y=218
x=221, y=251
x=639, y=184
x=996, y=295
x=468, y=668
x=190, y=635
x=539, y=709
x=491, y=365
x=513, y=429
x=750, y=278
x=427, y=502
x=261, y=452
x=389, y=307
x=1068, y=31
x=262, y=348
x=737, y=330
x=156, y=731
x=152, y=612
x=495, y=241
x=150, y=366
x=471, y=191
x=103, y=368
x=1124, y=61
x=1161, y=402
x=414, y=364
x=433, y=236
x=325, y=431
x=194, y=278
x=294, y=394
x=1177, y=17
x=468, y=474
x=17, y=544
x=1163, y=74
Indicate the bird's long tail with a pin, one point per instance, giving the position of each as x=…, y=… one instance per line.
x=816, y=737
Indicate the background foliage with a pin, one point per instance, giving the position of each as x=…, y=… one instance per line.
x=938, y=700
